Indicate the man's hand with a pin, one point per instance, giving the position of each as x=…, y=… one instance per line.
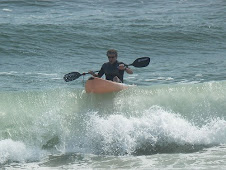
x=127, y=69
x=92, y=73
x=121, y=67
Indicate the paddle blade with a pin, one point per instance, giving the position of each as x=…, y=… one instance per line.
x=72, y=76
x=141, y=62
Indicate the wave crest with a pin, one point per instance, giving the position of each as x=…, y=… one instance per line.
x=156, y=131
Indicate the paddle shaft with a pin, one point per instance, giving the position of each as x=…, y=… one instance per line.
x=140, y=62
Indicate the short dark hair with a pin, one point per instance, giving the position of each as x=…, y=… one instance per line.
x=112, y=51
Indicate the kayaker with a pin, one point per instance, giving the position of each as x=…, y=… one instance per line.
x=113, y=70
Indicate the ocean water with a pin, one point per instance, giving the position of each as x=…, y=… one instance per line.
x=175, y=116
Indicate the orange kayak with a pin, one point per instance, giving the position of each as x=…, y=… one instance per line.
x=100, y=86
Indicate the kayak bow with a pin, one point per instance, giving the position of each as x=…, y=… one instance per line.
x=100, y=86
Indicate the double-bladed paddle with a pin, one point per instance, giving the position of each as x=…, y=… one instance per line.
x=140, y=62
x=73, y=76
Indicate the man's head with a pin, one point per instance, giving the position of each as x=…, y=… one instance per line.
x=112, y=55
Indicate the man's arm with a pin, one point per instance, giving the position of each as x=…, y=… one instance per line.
x=93, y=74
x=100, y=73
x=127, y=69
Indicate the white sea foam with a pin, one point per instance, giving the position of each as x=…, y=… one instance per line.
x=155, y=130
x=159, y=78
x=17, y=151
x=8, y=73
x=7, y=10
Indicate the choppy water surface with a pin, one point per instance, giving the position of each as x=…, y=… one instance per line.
x=174, y=117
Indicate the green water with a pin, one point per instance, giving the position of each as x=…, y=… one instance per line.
x=174, y=118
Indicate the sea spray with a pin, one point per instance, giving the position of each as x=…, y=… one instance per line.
x=17, y=151
x=197, y=102
x=156, y=131
x=138, y=121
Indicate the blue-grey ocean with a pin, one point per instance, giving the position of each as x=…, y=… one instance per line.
x=173, y=118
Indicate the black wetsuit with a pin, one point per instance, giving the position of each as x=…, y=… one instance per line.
x=111, y=70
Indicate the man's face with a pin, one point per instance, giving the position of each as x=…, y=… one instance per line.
x=112, y=58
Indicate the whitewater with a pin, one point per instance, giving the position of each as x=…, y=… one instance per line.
x=155, y=120
x=172, y=117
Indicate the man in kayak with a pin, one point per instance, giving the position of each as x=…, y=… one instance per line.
x=113, y=69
